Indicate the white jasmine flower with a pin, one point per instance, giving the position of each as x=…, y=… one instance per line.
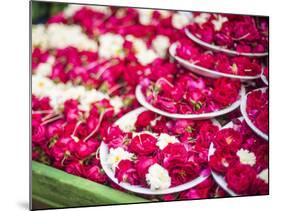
x=180, y=20
x=41, y=85
x=71, y=9
x=202, y=18
x=146, y=57
x=160, y=44
x=39, y=37
x=158, y=177
x=145, y=16
x=61, y=36
x=138, y=44
x=219, y=22
x=116, y=155
x=117, y=103
x=263, y=175
x=111, y=45
x=165, y=139
x=164, y=13
x=45, y=69
x=246, y=157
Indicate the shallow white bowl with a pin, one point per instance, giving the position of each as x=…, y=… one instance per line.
x=204, y=71
x=221, y=49
x=141, y=99
x=246, y=117
x=135, y=188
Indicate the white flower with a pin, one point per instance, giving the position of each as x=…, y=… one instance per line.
x=61, y=36
x=165, y=139
x=146, y=57
x=180, y=20
x=263, y=175
x=164, y=13
x=111, y=45
x=158, y=177
x=160, y=44
x=202, y=18
x=39, y=37
x=117, y=103
x=45, y=69
x=138, y=44
x=41, y=85
x=71, y=9
x=116, y=155
x=246, y=157
x=128, y=124
x=145, y=16
x=219, y=22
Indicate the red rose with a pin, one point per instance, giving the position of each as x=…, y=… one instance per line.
x=38, y=132
x=183, y=173
x=126, y=172
x=262, y=120
x=144, y=119
x=96, y=174
x=221, y=160
x=228, y=139
x=143, y=164
x=75, y=168
x=173, y=155
x=259, y=187
x=226, y=91
x=207, y=133
x=240, y=177
x=143, y=144
x=85, y=149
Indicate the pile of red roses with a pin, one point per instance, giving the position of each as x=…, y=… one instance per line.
x=186, y=93
x=257, y=109
x=241, y=33
x=179, y=146
x=242, y=157
x=221, y=62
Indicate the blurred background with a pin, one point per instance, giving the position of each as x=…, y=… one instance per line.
x=41, y=11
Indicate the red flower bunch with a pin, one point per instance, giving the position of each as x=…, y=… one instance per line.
x=70, y=140
x=241, y=33
x=181, y=150
x=186, y=93
x=257, y=109
x=236, y=65
x=242, y=158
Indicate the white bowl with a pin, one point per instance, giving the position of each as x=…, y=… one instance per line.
x=135, y=188
x=204, y=71
x=264, y=79
x=246, y=117
x=222, y=49
x=218, y=177
x=141, y=99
